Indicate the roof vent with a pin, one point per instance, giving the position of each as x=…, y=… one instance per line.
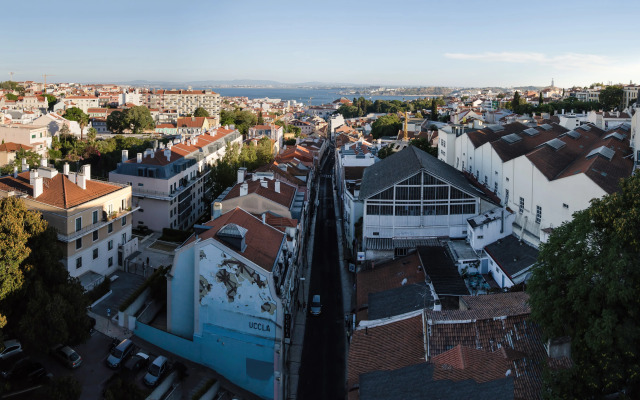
x=233, y=235
x=556, y=144
x=602, y=151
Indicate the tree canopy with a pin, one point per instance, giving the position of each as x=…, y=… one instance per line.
x=11, y=96
x=361, y=106
x=201, y=112
x=242, y=120
x=611, y=97
x=387, y=125
x=423, y=144
x=76, y=114
x=115, y=122
x=585, y=286
x=138, y=118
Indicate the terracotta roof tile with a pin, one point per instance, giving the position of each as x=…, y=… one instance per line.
x=285, y=197
x=385, y=347
x=10, y=146
x=263, y=241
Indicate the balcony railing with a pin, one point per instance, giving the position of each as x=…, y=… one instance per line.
x=94, y=227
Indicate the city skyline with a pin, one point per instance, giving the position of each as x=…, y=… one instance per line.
x=412, y=43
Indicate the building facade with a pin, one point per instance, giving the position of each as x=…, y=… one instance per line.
x=184, y=101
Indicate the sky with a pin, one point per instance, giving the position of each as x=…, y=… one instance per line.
x=459, y=43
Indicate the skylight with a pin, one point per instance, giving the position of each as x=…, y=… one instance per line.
x=512, y=138
x=573, y=134
x=546, y=127
x=585, y=127
x=496, y=128
x=616, y=135
x=556, y=144
x=603, y=151
x=531, y=131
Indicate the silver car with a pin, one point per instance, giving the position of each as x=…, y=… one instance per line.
x=316, y=306
x=156, y=370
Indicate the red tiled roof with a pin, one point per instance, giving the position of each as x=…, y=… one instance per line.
x=191, y=122
x=10, y=146
x=59, y=191
x=385, y=347
x=462, y=363
x=285, y=197
x=263, y=241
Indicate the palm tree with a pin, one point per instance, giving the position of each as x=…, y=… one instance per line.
x=83, y=120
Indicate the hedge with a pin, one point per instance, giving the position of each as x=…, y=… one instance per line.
x=157, y=274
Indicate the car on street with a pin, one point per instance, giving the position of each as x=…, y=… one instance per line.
x=120, y=353
x=316, y=305
x=10, y=347
x=67, y=356
x=156, y=370
x=9, y=364
x=32, y=371
x=136, y=363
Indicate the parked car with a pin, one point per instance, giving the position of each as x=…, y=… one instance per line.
x=67, y=356
x=136, y=363
x=9, y=364
x=29, y=370
x=156, y=370
x=120, y=353
x=10, y=347
x=316, y=306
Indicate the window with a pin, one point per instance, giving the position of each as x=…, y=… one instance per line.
x=95, y=253
x=95, y=217
x=486, y=181
x=110, y=227
x=78, y=223
x=506, y=196
x=538, y=214
x=110, y=262
x=400, y=252
x=110, y=245
x=78, y=243
x=78, y=262
x=124, y=238
x=124, y=220
x=95, y=235
x=521, y=209
x=124, y=204
x=495, y=188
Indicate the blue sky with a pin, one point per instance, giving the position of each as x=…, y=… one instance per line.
x=443, y=43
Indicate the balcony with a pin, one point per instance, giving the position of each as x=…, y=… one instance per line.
x=94, y=227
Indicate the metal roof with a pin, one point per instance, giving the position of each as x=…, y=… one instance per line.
x=531, y=131
x=573, y=134
x=512, y=138
x=556, y=144
x=602, y=151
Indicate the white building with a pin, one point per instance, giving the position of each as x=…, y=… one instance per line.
x=411, y=197
x=184, y=101
x=168, y=183
x=35, y=136
x=546, y=173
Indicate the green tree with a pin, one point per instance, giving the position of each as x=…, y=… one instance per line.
x=540, y=99
x=201, y=112
x=585, y=286
x=51, y=100
x=11, y=96
x=264, y=152
x=611, y=97
x=17, y=226
x=423, y=144
x=260, y=118
x=76, y=114
x=419, y=115
x=385, y=152
x=515, y=102
x=434, y=110
x=138, y=118
x=92, y=134
x=116, y=122
x=64, y=387
x=386, y=125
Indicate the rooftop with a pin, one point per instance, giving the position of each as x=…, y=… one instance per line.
x=512, y=255
x=443, y=273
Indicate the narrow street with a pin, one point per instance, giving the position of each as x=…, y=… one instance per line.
x=322, y=370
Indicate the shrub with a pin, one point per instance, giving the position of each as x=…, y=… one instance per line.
x=99, y=291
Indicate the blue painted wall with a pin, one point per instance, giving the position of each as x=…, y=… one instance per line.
x=182, y=296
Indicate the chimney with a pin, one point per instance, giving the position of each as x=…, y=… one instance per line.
x=217, y=210
x=125, y=155
x=32, y=177
x=37, y=187
x=244, y=189
x=139, y=158
x=277, y=186
x=72, y=177
x=155, y=144
x=25, y=166
x=81, y=181
x=65, y=168
x=86, y=170
x=264, y=183
x=43, y=162
x=242, y=173
x=167, y=153
x=15, y=172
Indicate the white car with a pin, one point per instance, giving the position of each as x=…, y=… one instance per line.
x=157, y=368
x=10, y=347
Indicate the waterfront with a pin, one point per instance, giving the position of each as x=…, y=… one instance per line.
x=308, y=96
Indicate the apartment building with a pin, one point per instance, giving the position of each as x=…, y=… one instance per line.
x=35, y=136
x=93, y=218
x=630, y=95
x=82, y=102
x=184, y=101
x=169, y=181
x=273, y=132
